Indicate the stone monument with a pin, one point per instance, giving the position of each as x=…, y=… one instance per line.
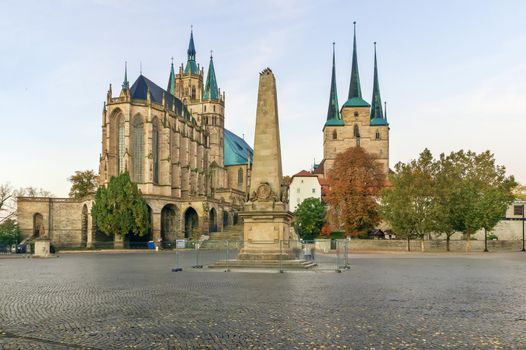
x=266, y=214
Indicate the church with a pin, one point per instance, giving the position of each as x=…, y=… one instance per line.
x=192, y=172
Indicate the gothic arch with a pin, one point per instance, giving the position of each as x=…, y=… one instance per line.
x=137, y=148
x=38, y=225
x=116, y=146
x=225, y=218
x=356, y=131
x=212, y=220
x=169, y=215
x=191, y=223
x=84, y=227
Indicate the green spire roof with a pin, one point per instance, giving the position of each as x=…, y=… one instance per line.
x=211, y=91
x=171, y=80
x=355, y=91
x=125, y=83
x=377, y=114
x=191, y=66
x=333, y=113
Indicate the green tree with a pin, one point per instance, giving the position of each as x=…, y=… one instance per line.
x=309, y=218
x=120, y=209
x=9, y=232
x=83, y=183
x=472, y=193
x=408, y=205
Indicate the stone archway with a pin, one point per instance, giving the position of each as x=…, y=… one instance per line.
x=212, y=220
x=38, y=225
x=191, y=223
x=225, y=218
x=169, y=215
x=84, y=227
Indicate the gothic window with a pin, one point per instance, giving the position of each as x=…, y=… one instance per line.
x=377, y=135
x=38, y=224
x=138, y=148
x=240, y=176
x=204, y=108
x=193, y=93
x=155, y=151
x=214, y=108
x=334, y=135
x=120, y=145
x=356, y=131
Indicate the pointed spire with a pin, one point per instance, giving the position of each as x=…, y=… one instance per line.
x=355, y=91
x=125, y=83
x=171, y=79
x=333, y=111
x=191, y=66
x=377, y=114
x=211, y=90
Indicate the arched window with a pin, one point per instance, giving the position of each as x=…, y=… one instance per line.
x=138, y=149
x=193, y=93
x=377, y=135
x=204, y=108
x=240, y=176
x=214, y=108
x=155, y=151
x=356, y=131
x=334, y=135
x=121, y=150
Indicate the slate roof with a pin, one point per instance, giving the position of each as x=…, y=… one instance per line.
x=236, y=150
x=140, y=87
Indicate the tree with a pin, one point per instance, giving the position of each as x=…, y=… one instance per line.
x=9, y=232
x=309, y=218
x=83, y=184
x=119, y=209
x=354, y=183
x=520, y=192
x=408, y=204
x=472, y=192
x=287, y=180
x=8, y=197
x=6, y=194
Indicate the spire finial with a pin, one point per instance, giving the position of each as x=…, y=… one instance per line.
x=125, y=83
x=211, y=54
x=172, y=60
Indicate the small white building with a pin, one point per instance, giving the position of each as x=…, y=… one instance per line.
x=303, y=185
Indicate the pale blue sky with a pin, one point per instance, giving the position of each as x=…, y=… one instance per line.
x=453, y=73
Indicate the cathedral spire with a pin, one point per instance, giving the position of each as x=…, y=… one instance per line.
x=355, y=91
x=211, y=91
x=377, y=114
x=171, y=80
x=125, y=83
x=333, y=111
x=191, y=66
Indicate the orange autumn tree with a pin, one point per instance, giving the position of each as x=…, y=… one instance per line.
x=354, y=183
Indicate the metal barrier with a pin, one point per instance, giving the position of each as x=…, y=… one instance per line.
x=222, y=255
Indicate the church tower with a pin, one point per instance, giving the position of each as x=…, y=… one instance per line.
x=358, y=123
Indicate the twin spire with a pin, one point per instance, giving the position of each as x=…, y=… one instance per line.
x=355, y=92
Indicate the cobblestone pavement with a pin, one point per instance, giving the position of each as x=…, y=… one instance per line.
x=386, y=301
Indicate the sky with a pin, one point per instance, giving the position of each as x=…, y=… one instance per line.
x=453, y=73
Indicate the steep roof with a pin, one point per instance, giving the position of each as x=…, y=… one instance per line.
x=236, y=150
x=320, y=168
x=211, y=91
x=333, y=112
x=191, y=66
x=377, y=114
x=304, y=173
x=140, y=88
x=355, y=91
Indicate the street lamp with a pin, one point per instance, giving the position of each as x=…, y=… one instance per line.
x=485, y=240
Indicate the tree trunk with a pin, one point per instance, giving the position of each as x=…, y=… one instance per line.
x=468, y=242
x=408, y=244
x=448, y=238
x=422, y=247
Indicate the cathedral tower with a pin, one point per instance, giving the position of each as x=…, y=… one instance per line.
x=358, y=123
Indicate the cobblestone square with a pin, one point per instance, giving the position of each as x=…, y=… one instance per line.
x=385, y=301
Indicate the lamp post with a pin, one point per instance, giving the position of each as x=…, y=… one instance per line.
x=522, y=209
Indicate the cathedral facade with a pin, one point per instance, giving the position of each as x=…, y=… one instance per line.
x=192, y=172
x=357, y=123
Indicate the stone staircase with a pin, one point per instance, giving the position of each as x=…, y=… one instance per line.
x=233, y=234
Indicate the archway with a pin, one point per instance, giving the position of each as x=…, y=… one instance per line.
x=84, y=227
x=212, y=221
x=168, y=223
x=38, y=225
x=191, y=223
x=235, y=218
x=225, y=218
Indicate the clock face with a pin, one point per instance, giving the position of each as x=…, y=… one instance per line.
x=263, y=191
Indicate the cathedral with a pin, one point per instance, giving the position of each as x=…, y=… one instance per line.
x=358, y=123
x=192, y=172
